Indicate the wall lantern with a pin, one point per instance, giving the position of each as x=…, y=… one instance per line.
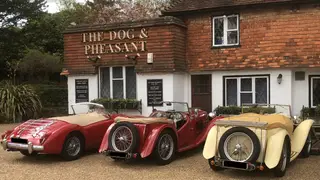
x=65, y=72
x=133, y=58
x=279, y=78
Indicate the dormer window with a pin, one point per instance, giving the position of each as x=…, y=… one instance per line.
x=226, y=30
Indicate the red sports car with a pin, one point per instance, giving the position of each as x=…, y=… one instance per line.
x=68, y=136
x=175, y=128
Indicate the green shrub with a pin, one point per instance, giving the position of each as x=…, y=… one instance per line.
x=52, y=95
x=118, y=103
x=317, y=111
x=18, y=102
x=235, y=110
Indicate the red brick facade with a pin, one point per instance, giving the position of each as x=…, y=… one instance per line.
x=277, y=37
x=164, y=37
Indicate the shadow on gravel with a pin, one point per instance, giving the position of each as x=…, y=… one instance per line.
x=47, y=158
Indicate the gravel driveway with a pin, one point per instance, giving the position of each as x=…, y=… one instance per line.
x=190, y=165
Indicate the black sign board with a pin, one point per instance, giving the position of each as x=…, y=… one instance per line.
x=82, y=90
x=155, y=92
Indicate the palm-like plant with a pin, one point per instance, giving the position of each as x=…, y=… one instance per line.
x=17, y=101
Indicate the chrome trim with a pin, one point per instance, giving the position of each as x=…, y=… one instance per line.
x=17, y=146
x=241, y=123
x=4, y=144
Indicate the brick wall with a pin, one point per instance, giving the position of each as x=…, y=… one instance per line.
x=273, y=37
x=166, y=40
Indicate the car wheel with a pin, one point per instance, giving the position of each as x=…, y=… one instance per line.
x=213, y=166
x=26, y=153
x=306, y=151
x=124, y=137
x=280, y=169
x=165, y=148
x=73, y=147
x=239, y=144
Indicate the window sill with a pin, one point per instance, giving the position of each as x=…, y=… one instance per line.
x=225, y=47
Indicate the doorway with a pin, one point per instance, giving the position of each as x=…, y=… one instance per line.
x=201, y=93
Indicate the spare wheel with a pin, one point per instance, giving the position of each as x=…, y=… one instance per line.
x=239, y=144
x=124, y=137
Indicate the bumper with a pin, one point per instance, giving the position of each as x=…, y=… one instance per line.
x=120, y=155
x=245, y=166
x=18, y=146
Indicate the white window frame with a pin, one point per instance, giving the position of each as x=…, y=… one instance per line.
x=225, y=30
x=124, y=80
x=311, y=90
x=239, y=92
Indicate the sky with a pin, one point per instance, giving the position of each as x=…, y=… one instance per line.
x=53, y=5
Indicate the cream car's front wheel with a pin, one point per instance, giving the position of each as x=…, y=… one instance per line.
x=239, y=144
x=280, y=169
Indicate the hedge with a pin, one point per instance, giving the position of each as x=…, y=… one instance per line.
x=235, y=110
x=118, y=103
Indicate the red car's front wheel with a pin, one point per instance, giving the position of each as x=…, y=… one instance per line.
x=165, y=148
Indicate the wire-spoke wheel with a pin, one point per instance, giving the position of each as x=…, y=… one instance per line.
x=165, y=148
x=306, y=151
x=122, y=139
x=73, y=147
x=280, y=169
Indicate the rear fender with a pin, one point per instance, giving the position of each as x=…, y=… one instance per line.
x=300, y=136
x=152, y=138
x=104, y=143
x=274, y=148
x=210, y=146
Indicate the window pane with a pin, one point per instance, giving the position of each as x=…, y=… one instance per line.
x=246, y=84
x=232, y=37
x=232, y=22
x=130, y=83
x=316, y=92
x=232, y=92
x=218, y=31
x=246, y=98
x=261, y=90
x=105, y=82
x=117, y=89
x=117, y=72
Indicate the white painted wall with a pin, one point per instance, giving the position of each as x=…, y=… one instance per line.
x=300, y=91
x=279, y=93
x=174, y=88
x=93, y=88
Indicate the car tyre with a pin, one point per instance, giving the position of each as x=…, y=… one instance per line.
x=306, y=151
x=213, y=166
x=26, y=153
x=281, y=168
x=165, y=144
x=251, y=134
x=73, y=147
x=135, y=136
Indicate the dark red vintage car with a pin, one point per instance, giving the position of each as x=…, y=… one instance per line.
x=175, y=128
x=68, y=136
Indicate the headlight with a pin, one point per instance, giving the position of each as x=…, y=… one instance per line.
x=212, y=114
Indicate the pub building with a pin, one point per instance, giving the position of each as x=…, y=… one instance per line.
x=207, y=53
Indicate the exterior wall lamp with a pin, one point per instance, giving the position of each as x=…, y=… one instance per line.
x=133, y=58
x=279, y=78
x=65, y=72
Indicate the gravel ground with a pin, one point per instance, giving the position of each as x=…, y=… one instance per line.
x=190, y=165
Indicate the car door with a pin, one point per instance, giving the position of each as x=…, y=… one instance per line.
x=186, y=133
x=96, y=132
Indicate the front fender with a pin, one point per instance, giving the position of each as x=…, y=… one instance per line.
x=274, y=148
x=300, y=136
x=55, y=141
x=210, y=146
x=152, y=138
x=104, y=143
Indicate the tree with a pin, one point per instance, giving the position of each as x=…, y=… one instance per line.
x=12, y=41
x=13, y=11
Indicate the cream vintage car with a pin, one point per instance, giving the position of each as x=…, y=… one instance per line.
x=253, y=141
